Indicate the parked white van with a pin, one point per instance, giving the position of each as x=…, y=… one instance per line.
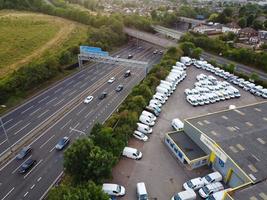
x=163, y=91
x=194, y=184
x=168, y=87
x=132, y=153
x=212, y=177
x=186, y=60
x=177, y=124
x=113, y=189
x=210, y=189
x=171, y=84
x=218, y=195
x=140, y=136
x=144, y=128
x=179, y=64
x=156, y=102
x=178, y=68
x=146, y=120
x=185, y=195
x=162, y=95
x=159, y=98
x=172, y=80
x=150, y=115
x=141, y=192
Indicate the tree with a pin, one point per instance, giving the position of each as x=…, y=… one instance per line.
x=88, y=191
x=265, y=24
x=230, y=68
x=242, y=22
x=143, y=90
x=84, y=161
x=250, y=19
x=228, y=12
x=213, y=17
x=187, y=48
x=257, y=24
x=197, y=53
x=65, y=58
x=254, y=76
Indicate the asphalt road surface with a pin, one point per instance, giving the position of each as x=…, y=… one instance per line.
x=62, y=108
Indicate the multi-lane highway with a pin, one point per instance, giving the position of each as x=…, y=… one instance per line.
x=48, y=117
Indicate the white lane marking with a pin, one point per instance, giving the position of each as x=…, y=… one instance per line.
x=72, y=93
x=46, y=141
x=53, y=183
x=32, y=169
x=81, y=111
x=39, y=179
x=94, y=78
x=51, y=101
x=70, y=82
x=43, y=99
x=82, y=75
x=78, y=83
x=32, y=186
x=8, y=121
x=35, y=111
x=14, y=171
x=52, y=149
x=8, y=193
x=26, y=110
x=65, y=125
x=83, y=85
x=3, y=142
x=67, y=90
x=75, y=127
x=88, y=113
x=14, y=125
x=26, y=194
x=43, y=114
x=7, y=164
x=59, y=102
x=22, y=128
x=58, y=90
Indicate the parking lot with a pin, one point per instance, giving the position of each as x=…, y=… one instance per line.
x=161, y=172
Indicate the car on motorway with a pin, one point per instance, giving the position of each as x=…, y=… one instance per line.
x=103, y=95
x=160, y=52
x=63, y=143
x=26, y=166
x=155, y=52
x=23, y=153
x=111, y=80
x=127, y=73
x=119, y=88
x=130, y=56
x=88, y=99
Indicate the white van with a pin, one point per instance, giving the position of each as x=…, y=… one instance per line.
x=144, y=128
x=141, y=192
x=178, y=68
x=149, y=114
x=159, y=98
x=164, y=91
x=210, y=189
x=212, y=177
x=140, y=136
x=162, y=95
x=194, y=184
x=146, y=120
x=177, y=124
x=113, y=189
x=169, y=83
x=156, y=102
x=218, y=195
x=186, y=60
x=155, y=107
x=185, y=195
x=132, y=153
x=179, y=64
x=172, y=80
x=169, y=88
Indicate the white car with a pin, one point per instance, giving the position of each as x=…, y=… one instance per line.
x=194, y=184
x=140, y=136
x=113, y=189
x=192, y=100
x=88, y=99
x=111, y=80
x=188, y=92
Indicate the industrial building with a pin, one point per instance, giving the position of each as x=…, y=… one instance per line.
x=233, y=142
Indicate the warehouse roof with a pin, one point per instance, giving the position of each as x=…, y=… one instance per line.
x=254, y=192
x=187, y=145
x=241, y=133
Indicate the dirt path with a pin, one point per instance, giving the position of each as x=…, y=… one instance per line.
x=66, y=28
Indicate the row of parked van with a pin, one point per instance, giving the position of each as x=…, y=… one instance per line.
x=209, y=187
x=257, y=90
x=208, y=90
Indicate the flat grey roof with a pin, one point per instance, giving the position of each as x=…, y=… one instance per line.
x=242, y=134
x=254, y=192
x=187, y=145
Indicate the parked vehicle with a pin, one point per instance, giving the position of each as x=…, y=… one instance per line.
x=149, y=114
x=159, y=98
x=162, y=95
x=156, y=102
x=185, y=195
x=218, y=195
x=177, y=124
x=113, y=189
x=192, y=100
x=212, y=178
x=132, y=153
x=155, y=107
x=152, y=110
x=169, y=88
x=144, y=128
x=210, y=189
x=127, y=73
x=264, y=93
x=186, y=60
x=194, y=184
x=179, y=64
x=140, y=136
x=141, y=192
x=163, y=90
x=146, y=120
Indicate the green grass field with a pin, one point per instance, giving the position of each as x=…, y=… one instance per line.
x=26, y=36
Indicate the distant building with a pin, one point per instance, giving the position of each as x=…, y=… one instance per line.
x=231, y=27
x=207, y=29
x=248, y=35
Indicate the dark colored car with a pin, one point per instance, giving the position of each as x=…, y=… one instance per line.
x=62, y=143
x=23, y=153
x=119, y=88
x=130, y=56
x=103, y=95
x=26, y=166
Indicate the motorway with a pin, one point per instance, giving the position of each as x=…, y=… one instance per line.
x=48, y=117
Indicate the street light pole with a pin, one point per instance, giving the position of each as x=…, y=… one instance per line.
x=2, y=125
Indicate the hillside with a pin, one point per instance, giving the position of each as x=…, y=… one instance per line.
x=27, y=36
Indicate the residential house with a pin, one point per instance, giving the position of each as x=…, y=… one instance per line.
x=231, y=27
x=248, y=35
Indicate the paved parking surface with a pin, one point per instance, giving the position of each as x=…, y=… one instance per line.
x=163, y=174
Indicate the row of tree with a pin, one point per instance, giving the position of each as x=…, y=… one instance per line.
x=242, y=55
x=92, y=158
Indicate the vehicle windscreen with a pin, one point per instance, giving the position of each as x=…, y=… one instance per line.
x=143, y=197
x=118, y=188
x=205, y=190
x=61, y=142
x=190, y=184
x=137, y=152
